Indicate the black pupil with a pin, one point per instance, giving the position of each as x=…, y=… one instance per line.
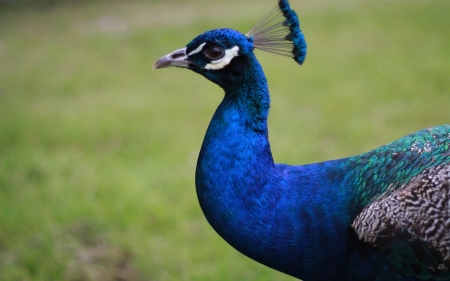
x=214, y=52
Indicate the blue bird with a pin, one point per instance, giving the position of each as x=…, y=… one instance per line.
x=379, y=215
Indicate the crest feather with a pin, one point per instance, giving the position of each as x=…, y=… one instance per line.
x=279, y=32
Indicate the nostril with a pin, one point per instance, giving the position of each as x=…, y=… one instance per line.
x=177, y=56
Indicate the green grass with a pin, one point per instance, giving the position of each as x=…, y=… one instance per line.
x=97, y=152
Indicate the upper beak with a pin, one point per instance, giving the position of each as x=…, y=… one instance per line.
x=176, y=58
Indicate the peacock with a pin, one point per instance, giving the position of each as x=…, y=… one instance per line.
x=379, y=215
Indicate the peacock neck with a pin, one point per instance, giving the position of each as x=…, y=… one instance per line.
x=235, y=159
x=236, y=146
x=239, y=187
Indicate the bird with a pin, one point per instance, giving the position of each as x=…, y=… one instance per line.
x=379, y=215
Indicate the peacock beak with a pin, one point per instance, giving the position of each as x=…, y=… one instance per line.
x=177, y=58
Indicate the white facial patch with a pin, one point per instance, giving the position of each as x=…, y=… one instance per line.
x=224, y=61
x=199, y=48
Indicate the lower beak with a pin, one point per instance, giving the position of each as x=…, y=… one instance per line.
x=177, y=58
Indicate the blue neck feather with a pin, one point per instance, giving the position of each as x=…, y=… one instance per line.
x=238, y=183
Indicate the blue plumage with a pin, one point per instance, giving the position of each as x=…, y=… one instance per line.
x=296, y=34
x=380, y=215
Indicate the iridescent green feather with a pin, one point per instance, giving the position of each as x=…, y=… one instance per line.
x=378, y=172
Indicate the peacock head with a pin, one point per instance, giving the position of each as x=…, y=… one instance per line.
x=224, y=55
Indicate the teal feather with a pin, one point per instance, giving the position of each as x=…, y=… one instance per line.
x=378, y=172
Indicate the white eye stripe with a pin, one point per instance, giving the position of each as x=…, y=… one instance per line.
x=225, y=60
x=199, y=48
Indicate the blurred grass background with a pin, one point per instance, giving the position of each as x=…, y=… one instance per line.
x=97, y=152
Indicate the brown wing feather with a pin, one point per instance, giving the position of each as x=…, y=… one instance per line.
x=411, y=226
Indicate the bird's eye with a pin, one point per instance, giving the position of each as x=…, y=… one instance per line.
x=214, y=52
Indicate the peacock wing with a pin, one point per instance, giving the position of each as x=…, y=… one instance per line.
x=411, y=225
